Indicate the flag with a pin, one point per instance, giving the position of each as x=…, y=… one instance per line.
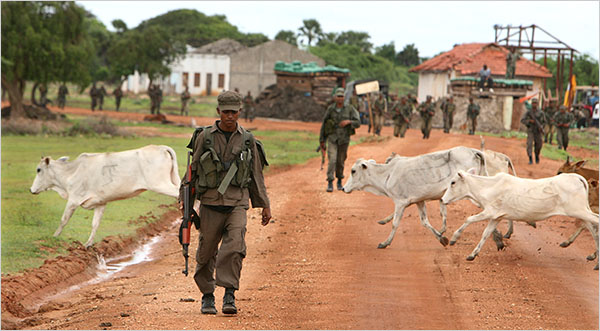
x=570, y=92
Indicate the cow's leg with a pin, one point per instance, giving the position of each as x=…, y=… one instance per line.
x=425, y=222
x=594, y=231
x=98, y=212
x=471, y=219
x=398, y=211
x=574, y=236
x=386, y=220
x=486, y=234
x=509, y=232
x=69, y=210
x=443, y=212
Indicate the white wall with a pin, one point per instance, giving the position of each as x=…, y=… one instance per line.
x=434, y=84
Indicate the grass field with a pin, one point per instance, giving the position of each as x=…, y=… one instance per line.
x=28, y=221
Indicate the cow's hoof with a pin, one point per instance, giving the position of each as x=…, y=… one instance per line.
x=444, y=240
x=382, y=246
x=470, y=258
x=596, y=267
x=382, y=222
x=565, y=244
x=500, y=246
x=591, y=257
x=532, y=224
x=452, y=242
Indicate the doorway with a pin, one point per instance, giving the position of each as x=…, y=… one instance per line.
x=208, y=84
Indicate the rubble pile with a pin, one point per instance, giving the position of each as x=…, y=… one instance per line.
x=288, y=103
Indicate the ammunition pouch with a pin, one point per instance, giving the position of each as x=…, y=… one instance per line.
x=329, y=127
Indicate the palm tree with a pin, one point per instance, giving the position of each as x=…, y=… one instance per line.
x=311, y=30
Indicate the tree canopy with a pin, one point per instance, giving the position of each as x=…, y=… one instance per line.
x=287, y=36
x=311, y=30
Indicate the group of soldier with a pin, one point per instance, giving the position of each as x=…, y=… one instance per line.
x=97, y=95
x=155, y=93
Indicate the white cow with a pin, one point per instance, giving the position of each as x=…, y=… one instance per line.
x=507, y=197
x=414, y=180
x=95, y=179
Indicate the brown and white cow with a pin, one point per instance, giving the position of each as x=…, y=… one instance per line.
x=95, y=179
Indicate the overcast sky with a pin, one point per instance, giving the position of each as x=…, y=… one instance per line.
x=433, y=26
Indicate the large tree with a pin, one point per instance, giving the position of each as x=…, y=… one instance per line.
x=387, y=51
x=360, y=39
x=288, y=36
x=311, y=30
x=43, y=42
x=409, y=56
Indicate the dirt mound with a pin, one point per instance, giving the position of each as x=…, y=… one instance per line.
x=290, y=104
x=76, y=266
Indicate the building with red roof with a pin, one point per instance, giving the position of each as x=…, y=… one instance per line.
x=466, y=60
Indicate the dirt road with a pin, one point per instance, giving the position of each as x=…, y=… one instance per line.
x=317, y=266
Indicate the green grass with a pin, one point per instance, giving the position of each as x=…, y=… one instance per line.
x=28, y=221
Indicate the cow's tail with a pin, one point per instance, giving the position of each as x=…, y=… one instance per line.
x=482, y=165
x=174, y=168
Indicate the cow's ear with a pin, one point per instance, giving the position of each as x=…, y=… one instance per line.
x=364, y=166
x=580, y=163
x=460, y=174
x=47, y=160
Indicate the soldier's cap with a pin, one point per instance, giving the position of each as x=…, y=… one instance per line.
x=229, y=100
x=339, y=92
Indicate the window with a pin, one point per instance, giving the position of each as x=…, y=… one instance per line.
x=221, y=80
x=197, y=79
x=185, y=79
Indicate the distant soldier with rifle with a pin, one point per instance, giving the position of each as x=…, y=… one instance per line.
x=248, y=107
x=185, y=98
x=426, y=110
x=534, y=119
x=401, y=112
x=94, y=96
x=118, y=93
x=379, y=110
x=472, y=113
x=62, y=96
x=562, y=120
x=152, y=95
x=223, y=181
x=101, y=94
x=339, y=123
x=448, y=107
x=550, y=112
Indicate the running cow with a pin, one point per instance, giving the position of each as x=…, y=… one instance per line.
x=95, y=179
x=507, y=197
x=414, y=180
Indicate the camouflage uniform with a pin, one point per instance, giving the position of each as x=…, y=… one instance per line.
x=152, y=95
x=118, y=93
x=94, y=95
x=472, y=113
x=562, y=120
x=101, y=94
x=401, y=112
x=185, y=98
x=62, y=96
x=378, y=112
x=550, y=111
x=448, y=107
x=248, y=108
x=159, y=98
x=337, y=138
x=426, y=110
x=534, y=132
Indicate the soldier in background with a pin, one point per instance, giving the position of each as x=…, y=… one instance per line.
x=378, y=112
x=185, y=98
x=511, y=62
x=401, y=112
x=534, y=119
x=118, y=93
x=94, y=96
x=426, y=110
x=152, y=95
x=448, y=108
x=472, y=113
x=339, y=123
x=159, y=97
x=101, y=94
x=248, y=107
x=550, y=112
x=44, y=101
x=62, y=96
x=562, y=119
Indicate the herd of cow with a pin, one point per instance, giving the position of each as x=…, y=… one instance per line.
x=482, y=176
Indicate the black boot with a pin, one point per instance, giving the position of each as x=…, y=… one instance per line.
x=208, y=304
x=537, y=159
x=330, y=186
x=530, y=160
x=229, y=302
x=339, y=184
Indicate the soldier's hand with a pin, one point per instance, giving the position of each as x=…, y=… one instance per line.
x=344, y=123
x=266, y=216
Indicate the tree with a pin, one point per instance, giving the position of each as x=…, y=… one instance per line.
x=288, y=36
x=119, y=26
x=311, y=30
x=409, y=56
x=328, y=37
x=360, y=39
x=42, y=42
x=387, y=51
x=585, y=69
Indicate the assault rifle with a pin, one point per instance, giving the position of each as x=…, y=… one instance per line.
x=319, y=149
x=537, y=123
x=189, y=214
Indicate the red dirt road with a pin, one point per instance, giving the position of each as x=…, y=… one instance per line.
x=317, y=265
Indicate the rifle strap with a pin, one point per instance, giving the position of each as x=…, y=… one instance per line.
x=228, y=177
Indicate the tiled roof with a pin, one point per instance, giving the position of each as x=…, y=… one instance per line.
x=468, y=59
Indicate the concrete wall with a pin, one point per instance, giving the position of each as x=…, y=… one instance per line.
x=203, y=64
x=434, y=84
x=252, y=69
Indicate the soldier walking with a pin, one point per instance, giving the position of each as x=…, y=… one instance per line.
x=152, y=95
x=339, y=123
x=534, y=119
x=159, y=97
x=248, y=107
x=562, y=120
x=62, y=96
x=94, y=96
x=511, y=63
x=224, y=193
x=118, y=93
x=401, y=112
x=426, y=110
x=378, y=112
x=101, y=94
x=550, y=112
x=448, y=108
x=472, y=113
x=185, y=98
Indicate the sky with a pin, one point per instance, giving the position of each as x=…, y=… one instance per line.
x=433, y=26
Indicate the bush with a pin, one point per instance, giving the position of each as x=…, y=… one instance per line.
x=94, y=126
x=87, y=127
